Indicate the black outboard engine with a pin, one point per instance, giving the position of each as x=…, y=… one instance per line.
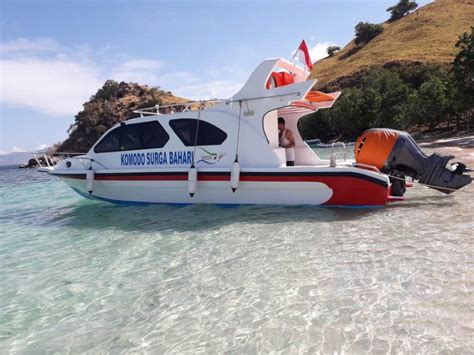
x=396, y=154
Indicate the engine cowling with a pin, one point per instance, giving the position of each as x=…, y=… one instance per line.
x=397, y=154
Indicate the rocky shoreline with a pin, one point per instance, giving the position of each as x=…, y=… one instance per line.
x=33, y=163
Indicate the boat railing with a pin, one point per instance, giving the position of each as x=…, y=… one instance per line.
x=177, y=107
x=45, y=160
x=199, y=105
x=334, y=153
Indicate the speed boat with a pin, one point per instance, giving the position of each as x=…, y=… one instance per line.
x=228, y=152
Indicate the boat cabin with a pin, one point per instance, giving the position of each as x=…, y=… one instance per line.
x=218, y=132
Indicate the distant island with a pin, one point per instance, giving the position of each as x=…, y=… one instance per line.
x=14, y=158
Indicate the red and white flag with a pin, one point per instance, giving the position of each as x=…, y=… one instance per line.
x=302, y=55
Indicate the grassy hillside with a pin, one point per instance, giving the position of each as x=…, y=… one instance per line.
x=426, y=35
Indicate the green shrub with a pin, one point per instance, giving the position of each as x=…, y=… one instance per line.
x=401, y=9
x=463, y=65
x=364, y=32
x=331, y=50
x=398, y=97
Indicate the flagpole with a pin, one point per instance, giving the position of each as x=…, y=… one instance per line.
x=296, y=52
x=307, y=57
x=294, y=66
x=294, y=55
x=293, y=58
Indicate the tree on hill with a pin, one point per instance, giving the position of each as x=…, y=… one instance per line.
x=435, y=100
x=463, y=73
x=398, y=97
x=114, y=102
x=332, y=50
x=463, y=65
x=365, y=31
x=401, y=9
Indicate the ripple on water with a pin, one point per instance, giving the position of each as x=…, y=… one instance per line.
x=84, y=276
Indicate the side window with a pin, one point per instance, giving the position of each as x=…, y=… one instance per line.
x=208, y=134
x=153, y=135
x=130, y=137
x=134, y=136
x=110, y=143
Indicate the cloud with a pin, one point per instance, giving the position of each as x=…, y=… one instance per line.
x=16, y=149
x=54, y=79
x=13, y=149
x=138, y=70
x=43, y=147
x=189, y=85
x=209, y=89
x=223, y=78
x=141, y=64
x=56, y=86
x=26, y=45
x=319, y=50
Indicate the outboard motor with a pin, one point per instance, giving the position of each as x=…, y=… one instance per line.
x=396, y=154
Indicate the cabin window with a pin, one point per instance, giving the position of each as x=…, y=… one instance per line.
x=110, y=143
x=131, y=137
x=153, y=135
x=208, y=134
x=135, y=136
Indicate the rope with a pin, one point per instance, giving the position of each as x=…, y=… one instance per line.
x=98, y=162
x=91, y=160
x=238, y=133
x=197, y=133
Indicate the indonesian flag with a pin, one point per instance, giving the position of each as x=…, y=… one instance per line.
x=302, y=55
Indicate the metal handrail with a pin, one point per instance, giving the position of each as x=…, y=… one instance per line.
x=68, y=153
x=155, y=110
x=186, y=106
x=332, y=161
x=48, y=157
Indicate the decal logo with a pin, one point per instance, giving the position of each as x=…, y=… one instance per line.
x=156, y=158
x=210, y=158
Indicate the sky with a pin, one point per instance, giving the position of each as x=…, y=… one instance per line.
x=55, y=54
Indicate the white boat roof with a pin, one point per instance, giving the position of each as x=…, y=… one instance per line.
x=291, y=98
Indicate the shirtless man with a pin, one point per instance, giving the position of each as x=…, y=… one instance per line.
x=287, y=141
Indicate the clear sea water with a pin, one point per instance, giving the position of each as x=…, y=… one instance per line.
x=83, y=276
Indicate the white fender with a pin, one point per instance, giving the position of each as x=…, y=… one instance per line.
x=90, y=181
x=235, y=176
x=192, y=180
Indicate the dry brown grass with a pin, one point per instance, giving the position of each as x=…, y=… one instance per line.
x=426, y=35
x=170, y=99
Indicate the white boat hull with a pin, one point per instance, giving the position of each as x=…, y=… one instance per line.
x=331, y=186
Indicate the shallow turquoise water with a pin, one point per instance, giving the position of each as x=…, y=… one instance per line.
x=79, y=276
